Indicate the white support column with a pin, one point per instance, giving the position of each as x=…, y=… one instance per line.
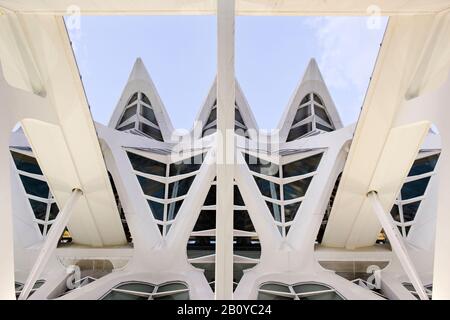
x=50, y=243
x=397, y=244
x=225, y=149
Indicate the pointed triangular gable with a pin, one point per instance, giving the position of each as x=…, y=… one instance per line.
x=206, y=120
x=311, y=109
x=140, y=109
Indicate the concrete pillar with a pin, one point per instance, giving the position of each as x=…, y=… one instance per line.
x=225, y=149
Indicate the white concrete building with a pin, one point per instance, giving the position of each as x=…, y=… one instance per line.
x=311, y=210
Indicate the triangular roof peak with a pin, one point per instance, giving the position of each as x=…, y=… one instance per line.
x=312, y=72
x=140, y=106
x=139, y=71
x=311, y=108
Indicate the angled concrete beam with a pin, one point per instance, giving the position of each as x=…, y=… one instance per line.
x=50, y=59
x=50, y=243
x=403, y=45
x=243, y=7
x=396, y=241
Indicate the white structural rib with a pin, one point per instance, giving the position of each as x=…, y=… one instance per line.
x=404, y=41
x=50, y=243
x=64, y=139
x=243, y=7
x=396, y=241
x=225, y=149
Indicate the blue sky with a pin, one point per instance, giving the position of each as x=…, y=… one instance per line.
x=271, y=56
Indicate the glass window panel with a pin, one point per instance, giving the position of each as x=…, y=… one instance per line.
x=287, y=228
x=115, y=295
x=321, y=113
x=145, y=99
x=268, y=296
x=275, y=210
x=187, y=165
x=26, y=163
x=127, y=127
x=306, y=99
x=174, y=296
x=180, y=188
x=171, y=287
x=161, y=228
x=242, y=221
x=172, y=209
x=157, y=209
x=35, y=187
x=133, y=98
x=238, y=117
x=424, y=165
x=212, y=116
x=323, y=296
x=129, y=112
x=238, y=201
x=296, y=189
x=310, y=287
x=148, y=114
x=39, y=209
x=290, y=211
x=206, y=221
x=317, y=99
x=211, y=196
x=268, y=188
x=395, y=213
x=147, y=165
x=302, y=114
x=323, y=128
x=261, y=166
x=299, y=131
x=302, y=166
x=247, y=247
x=407, y=228
x=41, y=228
x=275, y=287
x=414, y=188
x=137, y=286
x=151, y=187
x=54, y=210
x=151, y=132
x=410, y=210
x=199, y=246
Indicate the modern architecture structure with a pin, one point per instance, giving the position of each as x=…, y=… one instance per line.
x=310, y=210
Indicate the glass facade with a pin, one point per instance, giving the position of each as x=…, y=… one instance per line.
x=283, y=187
x=36, y=189
x=413, y=191
x=164, y=197
x=201, y=244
